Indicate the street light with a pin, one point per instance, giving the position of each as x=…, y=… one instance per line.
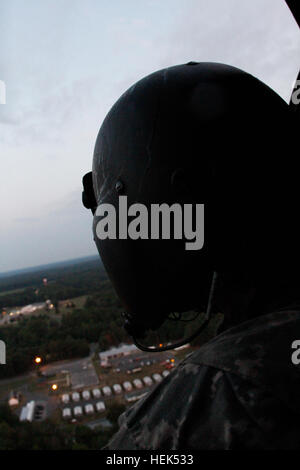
x=54, y=387
x=38, y=360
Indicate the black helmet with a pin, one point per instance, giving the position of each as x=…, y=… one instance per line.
x=199, y=133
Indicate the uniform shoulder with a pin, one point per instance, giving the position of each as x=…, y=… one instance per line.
x=258, y=350
x=205, y=403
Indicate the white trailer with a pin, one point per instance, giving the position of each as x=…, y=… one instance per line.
x=65, y=398
x=96, y=393
x=117, y=389
x=86, y=395
x=148, y=381
x=137, y=383
x=78, y=411
x=89, y=409
x=100, y=406
x=127, y=386
x=75, y=396
x=107, y=391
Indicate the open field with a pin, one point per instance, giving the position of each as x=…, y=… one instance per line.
x=77, y=301
x=13, y=291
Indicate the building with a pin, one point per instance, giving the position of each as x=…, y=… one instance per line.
x=123, y=350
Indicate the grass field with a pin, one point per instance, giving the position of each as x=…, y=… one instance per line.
x=77, y=301
x=13, y=291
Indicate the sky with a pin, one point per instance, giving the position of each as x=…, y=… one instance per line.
x=65, y=63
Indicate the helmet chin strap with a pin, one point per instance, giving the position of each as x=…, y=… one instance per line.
x=195, y=334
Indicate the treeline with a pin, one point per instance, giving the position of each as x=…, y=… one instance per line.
x=40, y=336
x=47, y=435
x=67, y=337
x=54, y=271
x=63, y=283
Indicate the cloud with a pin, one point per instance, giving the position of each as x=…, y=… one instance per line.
x=61, y=85
x=62, y=231
x=26, y=220
x=258, y=36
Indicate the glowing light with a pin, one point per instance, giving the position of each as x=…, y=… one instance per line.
x=38, y=360
x=54, y=387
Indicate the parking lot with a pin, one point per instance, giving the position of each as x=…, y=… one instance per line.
x=81, y=372
x=139, y=388
x=78, y=376
x=139, y=360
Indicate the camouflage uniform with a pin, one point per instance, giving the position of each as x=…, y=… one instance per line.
x=241, y=390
